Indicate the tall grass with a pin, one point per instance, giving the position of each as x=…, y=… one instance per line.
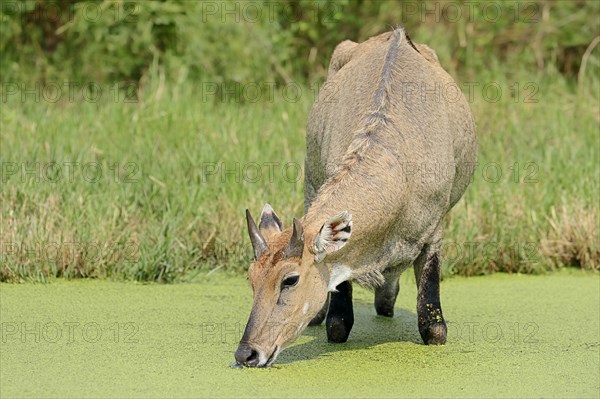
x=546, y=147
x=177, y=171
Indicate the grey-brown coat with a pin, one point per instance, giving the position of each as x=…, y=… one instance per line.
x=388, y=155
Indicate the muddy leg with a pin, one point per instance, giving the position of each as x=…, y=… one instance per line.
x=318, y=319
x=340, y=317
x=432, y=326
x=385, y=296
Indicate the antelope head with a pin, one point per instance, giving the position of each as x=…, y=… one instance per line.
x=289, y=280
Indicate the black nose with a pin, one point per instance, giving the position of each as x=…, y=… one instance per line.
x=247, y=356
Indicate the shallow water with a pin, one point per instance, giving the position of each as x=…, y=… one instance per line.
x=509, y=336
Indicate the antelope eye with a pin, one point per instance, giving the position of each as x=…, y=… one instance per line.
x=290, y=281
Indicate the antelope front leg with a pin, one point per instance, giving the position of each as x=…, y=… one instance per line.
x=340, y=318
x=385, y=296
x=432, y=326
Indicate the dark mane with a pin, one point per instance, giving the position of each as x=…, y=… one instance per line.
x=375, y=118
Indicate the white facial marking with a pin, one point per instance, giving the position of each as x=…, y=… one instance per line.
x=305, y=308
x=274, y=357
x=262, y=358
x=339, y=274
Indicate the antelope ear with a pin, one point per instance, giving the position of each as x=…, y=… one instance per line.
x=269, y=224
x=333, y=235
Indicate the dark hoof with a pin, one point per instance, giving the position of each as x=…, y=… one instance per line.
x=434, y=334
x=338, y=330
x=384, y=309
x=385, y=298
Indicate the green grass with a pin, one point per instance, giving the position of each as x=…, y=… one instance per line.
x=156, y=213
x=508, y=336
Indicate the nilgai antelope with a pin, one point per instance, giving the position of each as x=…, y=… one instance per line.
x=389, y=153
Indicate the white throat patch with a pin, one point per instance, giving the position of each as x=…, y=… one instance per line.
x=339, y=274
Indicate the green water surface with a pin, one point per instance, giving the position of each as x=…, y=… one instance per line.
x=509, y=336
